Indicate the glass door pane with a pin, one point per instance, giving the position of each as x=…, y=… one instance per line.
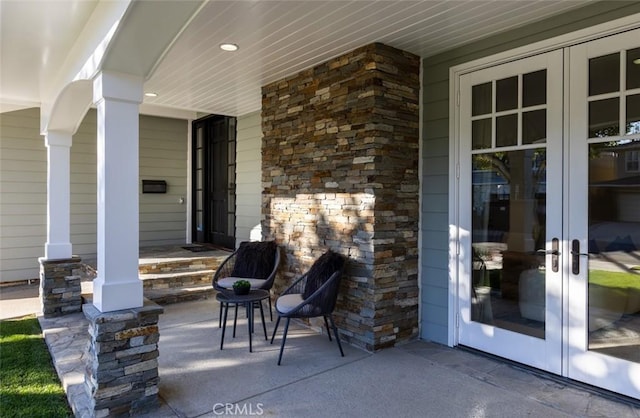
x=614, y=249
x=508, y=240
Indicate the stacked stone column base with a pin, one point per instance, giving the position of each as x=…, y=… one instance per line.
x=122, y=363
x=60, y=292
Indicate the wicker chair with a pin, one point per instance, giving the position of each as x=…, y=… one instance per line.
x=256, y=262
x=312, y=295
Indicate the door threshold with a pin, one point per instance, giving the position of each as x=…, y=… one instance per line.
x=613, y=396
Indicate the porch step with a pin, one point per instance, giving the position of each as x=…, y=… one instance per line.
x=182, y=294
x=176, y=279
x=170, y=295
x=181, y=264
x=172, y=274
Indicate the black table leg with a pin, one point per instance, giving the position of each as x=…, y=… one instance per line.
x=249, y=306
x=264, y=327
x=224, y=324
x=235, y=319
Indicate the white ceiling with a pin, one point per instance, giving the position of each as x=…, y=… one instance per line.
x=34, y=39
x=276, y=39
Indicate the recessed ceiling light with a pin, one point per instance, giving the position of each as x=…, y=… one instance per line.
x=151, y=94
x=229, y=47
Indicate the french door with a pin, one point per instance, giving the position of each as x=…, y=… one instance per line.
x=511, y=210
x=549, y=212
x=604, y=238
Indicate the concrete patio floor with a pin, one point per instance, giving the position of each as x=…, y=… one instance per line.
x=419, y=379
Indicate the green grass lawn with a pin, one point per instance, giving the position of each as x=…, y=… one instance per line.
x=29, y=385
x=615, y=279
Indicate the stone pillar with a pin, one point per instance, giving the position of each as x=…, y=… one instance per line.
x=122, y=360
x=340, y=154
x=60, y=292
x=58, y=244
x=117, y=286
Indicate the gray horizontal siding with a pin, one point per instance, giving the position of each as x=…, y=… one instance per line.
x=435, y=145
x=84, y=177
x=23, y=194
x=163, y=156
x=23, y=188
x=248, y=175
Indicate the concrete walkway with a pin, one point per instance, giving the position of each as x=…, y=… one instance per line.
x=419, y=379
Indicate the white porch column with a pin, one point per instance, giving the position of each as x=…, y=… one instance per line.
x=117, y=97
x=58, y=245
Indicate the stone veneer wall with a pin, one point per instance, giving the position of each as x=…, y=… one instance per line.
x=121, y=377
x=340, y=171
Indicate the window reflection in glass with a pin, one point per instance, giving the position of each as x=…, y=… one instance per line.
x=604, y=74
x=508, y=226
x=199, y=136
x=633, y=68
x=633, y=114
x=534, y=88
x=534, y=126
x=614, y=249
x=507, y=130
x=481, y=99
x=200, y=157
x=481, y=134
x=604, y=118
x=632, y=161
x=507, y=94
x=199, y=206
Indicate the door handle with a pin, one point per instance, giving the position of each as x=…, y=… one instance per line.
x=554, y=252
x=575, y=256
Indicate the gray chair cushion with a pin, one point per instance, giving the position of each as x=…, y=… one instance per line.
x=286, y=303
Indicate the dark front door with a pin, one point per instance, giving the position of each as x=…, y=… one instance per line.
x=214, y=180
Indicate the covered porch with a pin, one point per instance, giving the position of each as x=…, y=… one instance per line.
x=374, y=186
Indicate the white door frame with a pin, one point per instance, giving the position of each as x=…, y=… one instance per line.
x=559, y=42
x=455, y=200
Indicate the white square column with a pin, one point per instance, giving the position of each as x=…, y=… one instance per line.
x=58, y=245
x=117, y=97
